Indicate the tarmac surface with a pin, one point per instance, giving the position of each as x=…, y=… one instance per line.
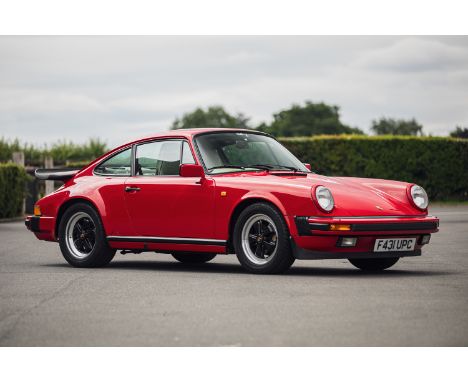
x=152, y=300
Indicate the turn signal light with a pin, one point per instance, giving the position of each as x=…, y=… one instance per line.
x=37, y=210
x=340, y=227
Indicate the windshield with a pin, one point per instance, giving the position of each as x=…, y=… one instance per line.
x=230, y=152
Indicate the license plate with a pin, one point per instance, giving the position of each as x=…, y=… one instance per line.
x=394, y=244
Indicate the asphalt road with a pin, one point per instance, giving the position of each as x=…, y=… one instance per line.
x=153, y=300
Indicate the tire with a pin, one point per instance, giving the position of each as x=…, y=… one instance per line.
x=374, y=265
x=193, y=258
x=261, y=240
x=82, y=238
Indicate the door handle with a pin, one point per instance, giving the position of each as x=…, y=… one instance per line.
x=132, y=189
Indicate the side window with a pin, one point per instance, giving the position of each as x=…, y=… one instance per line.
x=158, y=158
x=119, y=164
x=187, y=157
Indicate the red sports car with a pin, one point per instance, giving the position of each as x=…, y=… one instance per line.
x=202, y=192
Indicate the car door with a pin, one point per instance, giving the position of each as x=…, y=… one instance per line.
x=163, y=204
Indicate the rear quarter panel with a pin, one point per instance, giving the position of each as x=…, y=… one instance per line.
x=106, y=194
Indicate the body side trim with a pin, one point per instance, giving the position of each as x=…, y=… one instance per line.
x=174, y=240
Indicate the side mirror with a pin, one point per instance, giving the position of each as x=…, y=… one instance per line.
x=308, y=166
x=191, y=171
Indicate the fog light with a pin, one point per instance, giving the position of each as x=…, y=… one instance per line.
x=425, y=239
x=346, y=241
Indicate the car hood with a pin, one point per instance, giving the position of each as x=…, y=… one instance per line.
x=370, y=197
x=352, y=196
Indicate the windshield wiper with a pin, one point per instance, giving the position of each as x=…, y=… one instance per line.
x=226, y=166
x=257, y=166
x=261, y=166
x=275, y=167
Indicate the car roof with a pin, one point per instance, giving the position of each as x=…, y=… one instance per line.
x=178, y=133
x=192, y=132
x=181, y=133
x=188, y=133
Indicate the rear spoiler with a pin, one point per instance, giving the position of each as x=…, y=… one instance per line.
x=62, y=174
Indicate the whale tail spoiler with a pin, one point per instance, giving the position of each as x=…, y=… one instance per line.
x=62, y=174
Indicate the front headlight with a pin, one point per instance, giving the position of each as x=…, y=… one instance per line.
x=324, y=198
x=419, y=197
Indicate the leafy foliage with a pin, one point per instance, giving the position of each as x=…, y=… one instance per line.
x=214, y=116
x=460, y=132
x=12, y=189
x=307, y=120
x=438, y=164
x=390, y=126
x=61, y=151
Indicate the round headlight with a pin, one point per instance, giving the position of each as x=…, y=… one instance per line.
x=419, y=197
x=324, y=198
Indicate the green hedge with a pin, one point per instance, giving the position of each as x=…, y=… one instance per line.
x=12, y=189
x=438, y=164
x=61, y=151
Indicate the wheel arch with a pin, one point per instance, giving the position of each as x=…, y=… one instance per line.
x=246, y=202
x=67, y=204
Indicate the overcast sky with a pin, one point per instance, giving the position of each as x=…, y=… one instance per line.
x=118, y=88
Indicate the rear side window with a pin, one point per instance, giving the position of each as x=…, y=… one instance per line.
x=158, y=158
x=119, y=164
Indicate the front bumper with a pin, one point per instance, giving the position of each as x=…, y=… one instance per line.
x=307, y=226
x=314, y=239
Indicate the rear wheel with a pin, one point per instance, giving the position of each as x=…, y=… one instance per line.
x=82, y=239
x=193, y=258
x=261, y=240
x=374, y=264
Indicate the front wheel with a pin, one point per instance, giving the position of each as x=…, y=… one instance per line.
x=193, y=258
x=261, y=240
x=374, y=264
x=82, y=239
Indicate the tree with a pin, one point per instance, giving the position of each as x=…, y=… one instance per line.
x=310, y=119
x=214, y=116
x=390, y=126
x=460, y=132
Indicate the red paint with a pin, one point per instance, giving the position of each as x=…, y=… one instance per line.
x=171, y=206
x=196, y=205
x=191, y=171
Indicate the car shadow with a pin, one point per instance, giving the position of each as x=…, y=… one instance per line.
x=295, y=271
